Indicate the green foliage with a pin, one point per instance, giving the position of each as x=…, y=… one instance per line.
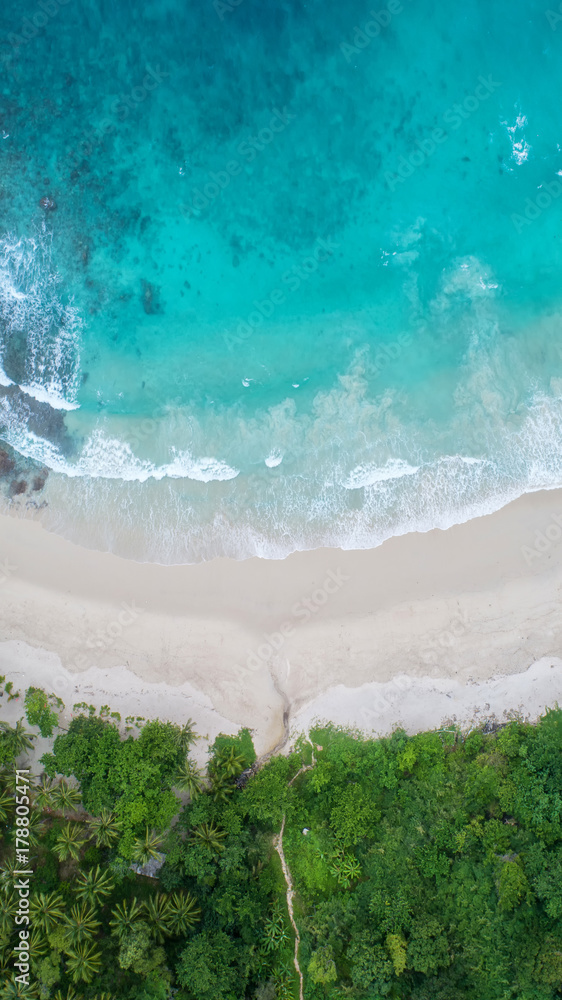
x=8, y=688
x=371, y=967
x=6, y=803
x=48, y=973
x=548, y=966
x=424, y=868
x=79, y=925
x=354, y=816
x=14, y=741
x=184, y=913
x=147, y=847
x=322, y=968
x=397, y=948
x=83, y=962
x=345, y=868
x=513, y=885
x=94, y=885
x=39, y=711
x=46, y=910
x=124, y=917
x=210, y=835
x=65, y=798
x=456, y=873
x=210, y=968
x=105, y=828
x=157, y=909
x=131, y=778
x=188, y=779
x=275, y=934
x=69, y=842
x=267, y=795
x=428, y=948
x=43, y=793
x=137, y=952
x=242, y=745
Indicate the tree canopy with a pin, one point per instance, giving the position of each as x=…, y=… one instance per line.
x=424, y=867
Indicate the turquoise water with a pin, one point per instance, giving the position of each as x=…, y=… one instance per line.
x=277, y=276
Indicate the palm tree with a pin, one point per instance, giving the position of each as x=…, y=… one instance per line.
x=10, y=780
x=184, y=912
x=81, y=925
x=35, y=828
x=37, y=945
x=105, y=828
x=6, y=956
x=70, y=994
x=229, y=763
x=158, y=909
x=187, y=735
x=7, y=870
x=146, y=848
x=6, y=803
x=274, y=931
x=125, y=916
x=189, y=779
x=43, y=793
x=6, y=925
x=8, y=907
x=83, y=962
x=17, y=739
x=18, y=991
x=211, y=835
x=69, y=842
x=94, y=885
x=220, y=789
x=65, y=798
x=46, y=911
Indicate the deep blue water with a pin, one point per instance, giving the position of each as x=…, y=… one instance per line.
x=274, y=276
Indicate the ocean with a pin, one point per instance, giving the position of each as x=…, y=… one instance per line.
x=277, y=276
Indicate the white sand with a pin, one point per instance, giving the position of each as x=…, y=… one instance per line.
x=320, y=634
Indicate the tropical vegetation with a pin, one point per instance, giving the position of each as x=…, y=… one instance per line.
x=424, y=867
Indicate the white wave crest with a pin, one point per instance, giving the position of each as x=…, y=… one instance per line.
x=103, y=457
x=33, y=316
x=369, y=475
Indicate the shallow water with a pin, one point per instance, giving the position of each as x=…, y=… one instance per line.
x=297, y=278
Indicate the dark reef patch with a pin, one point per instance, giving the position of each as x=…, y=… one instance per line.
x=151, y=298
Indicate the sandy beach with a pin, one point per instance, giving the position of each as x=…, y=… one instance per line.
x=455, y=625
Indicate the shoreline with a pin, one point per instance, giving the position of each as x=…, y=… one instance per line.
x=314, y=635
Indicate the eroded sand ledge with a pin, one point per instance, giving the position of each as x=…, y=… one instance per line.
x=400, y=633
